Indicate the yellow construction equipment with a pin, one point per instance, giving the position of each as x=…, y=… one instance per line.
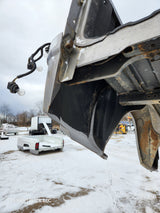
x=121, y=129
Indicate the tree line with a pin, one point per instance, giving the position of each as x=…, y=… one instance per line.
x=19, y=119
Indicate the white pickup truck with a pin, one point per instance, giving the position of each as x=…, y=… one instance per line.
x=40, y=143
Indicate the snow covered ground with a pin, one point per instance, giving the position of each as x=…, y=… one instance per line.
x=77, y=180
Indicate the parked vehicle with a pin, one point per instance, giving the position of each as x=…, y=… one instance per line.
x=3, y=137
x=37, y=127
x=39, y=143
x=121, y=129
x=9, y=129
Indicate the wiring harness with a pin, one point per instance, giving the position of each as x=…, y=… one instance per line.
x=13, y=86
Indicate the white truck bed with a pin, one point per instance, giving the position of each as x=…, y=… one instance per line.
x=39, y=143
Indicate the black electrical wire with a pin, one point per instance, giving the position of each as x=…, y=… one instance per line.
x=12, y=86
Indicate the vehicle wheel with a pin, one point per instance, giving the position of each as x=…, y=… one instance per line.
x=15, y=133
x=35, y=152
x=61, y=149
x=20, y=148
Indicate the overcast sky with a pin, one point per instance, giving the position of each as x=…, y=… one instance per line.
x=27, y=24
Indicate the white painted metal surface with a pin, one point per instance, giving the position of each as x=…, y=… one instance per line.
x=39, y=119
x=45, y=142
x=121, y=39
x=53, y=61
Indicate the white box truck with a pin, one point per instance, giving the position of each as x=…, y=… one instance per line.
x=37, y=127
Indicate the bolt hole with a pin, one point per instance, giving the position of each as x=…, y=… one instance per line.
x=128, y=49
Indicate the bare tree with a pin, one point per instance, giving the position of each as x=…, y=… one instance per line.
x=39, y=107
x=23, y=119
x=5, y=112
x=32, y=113
x=11, y=118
